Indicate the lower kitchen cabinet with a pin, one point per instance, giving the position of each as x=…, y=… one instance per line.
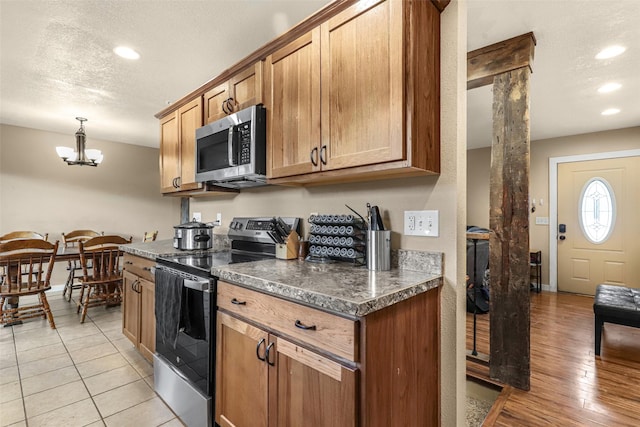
x=264, y=380
x=138, y=316
x=277, y=364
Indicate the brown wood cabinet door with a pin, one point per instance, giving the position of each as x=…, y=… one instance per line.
x=131, y=310
x=293, y=107
x=245, y=88
x=307, y=389
x=214, y=101
x=190, y=116
x=241, y=377
x=169, y=153
x=147, y=319
x=362, y=85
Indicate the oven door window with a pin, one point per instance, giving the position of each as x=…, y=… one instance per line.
x=213, y=152
x=191, y=356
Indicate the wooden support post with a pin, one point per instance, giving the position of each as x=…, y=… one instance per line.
x=509, y=223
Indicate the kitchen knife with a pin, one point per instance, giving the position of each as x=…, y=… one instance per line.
x=283, y=225
x=281, y=231
x=375, y=219
x=274, y=236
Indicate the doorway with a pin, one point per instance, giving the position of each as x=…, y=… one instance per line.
x=593, y=198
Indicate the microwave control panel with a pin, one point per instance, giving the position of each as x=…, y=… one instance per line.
x=244, y=134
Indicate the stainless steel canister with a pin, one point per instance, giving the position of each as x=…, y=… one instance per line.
x=379, y=250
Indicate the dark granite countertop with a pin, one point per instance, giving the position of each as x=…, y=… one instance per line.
x=341, y=288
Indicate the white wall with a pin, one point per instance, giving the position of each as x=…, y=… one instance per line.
x=479, y=164
x=39, y=192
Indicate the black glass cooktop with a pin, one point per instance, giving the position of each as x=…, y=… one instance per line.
x=201, y=264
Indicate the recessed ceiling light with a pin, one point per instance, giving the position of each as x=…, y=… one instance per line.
x=609, y=87
x=610, y=111
x=610, y=52
x=126, y=52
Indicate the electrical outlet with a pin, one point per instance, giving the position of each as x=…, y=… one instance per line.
x=197, y=216
x=421, y=223
x=218, y=218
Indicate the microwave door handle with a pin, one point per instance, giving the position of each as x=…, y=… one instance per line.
x=230, y=148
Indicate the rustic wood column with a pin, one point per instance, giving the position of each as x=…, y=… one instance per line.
x=507, y=65
x=509, y=223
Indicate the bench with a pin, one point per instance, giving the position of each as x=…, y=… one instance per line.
x=615, y=304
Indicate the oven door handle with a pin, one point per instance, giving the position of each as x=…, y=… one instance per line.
x=198, y=285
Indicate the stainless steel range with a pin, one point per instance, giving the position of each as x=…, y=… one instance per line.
x=184, y=363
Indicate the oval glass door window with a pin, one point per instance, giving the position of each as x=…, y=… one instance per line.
x=597, y=210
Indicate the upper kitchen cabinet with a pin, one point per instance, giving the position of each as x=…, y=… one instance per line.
x=177, y=148
x=292, y=98
x=242, y=90
x=379, y=97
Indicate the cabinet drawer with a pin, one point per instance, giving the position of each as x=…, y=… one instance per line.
x=332, y=333
x=139, y=266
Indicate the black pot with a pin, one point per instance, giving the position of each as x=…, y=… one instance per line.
x=193, y=236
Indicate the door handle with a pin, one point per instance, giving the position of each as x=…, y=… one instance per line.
x=263, y=358
x=314, y=160
x=266, y=355
x=323, y=151
x=300, y=325
x=562, y=237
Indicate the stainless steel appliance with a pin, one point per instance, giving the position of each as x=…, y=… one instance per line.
x=184, y=363
x=231, y=152
x=193, y=236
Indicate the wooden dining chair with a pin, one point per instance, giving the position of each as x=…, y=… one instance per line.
x=101, y=281
x=150, y=236
x=22, y=235
x=16, y=235
x=36, y=257
x=73, y=239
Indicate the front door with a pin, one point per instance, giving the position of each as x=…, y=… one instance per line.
x=598, y=224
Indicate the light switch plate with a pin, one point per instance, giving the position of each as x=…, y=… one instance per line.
x=421, y=223
x=218, y=218
x=197, y=216
x=542, y=220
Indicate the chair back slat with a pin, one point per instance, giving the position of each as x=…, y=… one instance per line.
x=23, y=235
x=74, y=237
x=104, y=253
x=26, y=265
x=150, y=236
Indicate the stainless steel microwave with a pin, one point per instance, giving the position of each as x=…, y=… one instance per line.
x=231, y=152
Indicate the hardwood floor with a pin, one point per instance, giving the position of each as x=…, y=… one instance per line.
x=570, y=386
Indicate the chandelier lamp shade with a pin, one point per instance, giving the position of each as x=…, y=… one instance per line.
x=80, y=156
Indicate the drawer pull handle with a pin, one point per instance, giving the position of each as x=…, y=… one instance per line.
x=236, y=302
x=146, y=268
x=263, y=358
x=128, y=262
x=305, y=327
x=266, y=355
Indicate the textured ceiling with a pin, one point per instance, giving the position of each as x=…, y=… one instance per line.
x=566, y=76
x=56, y=59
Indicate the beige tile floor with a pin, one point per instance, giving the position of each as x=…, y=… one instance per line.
x=76, y=375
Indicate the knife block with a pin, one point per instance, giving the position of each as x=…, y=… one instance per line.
x=288, y=249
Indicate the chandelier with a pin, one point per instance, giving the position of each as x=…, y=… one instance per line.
x=80, y=156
